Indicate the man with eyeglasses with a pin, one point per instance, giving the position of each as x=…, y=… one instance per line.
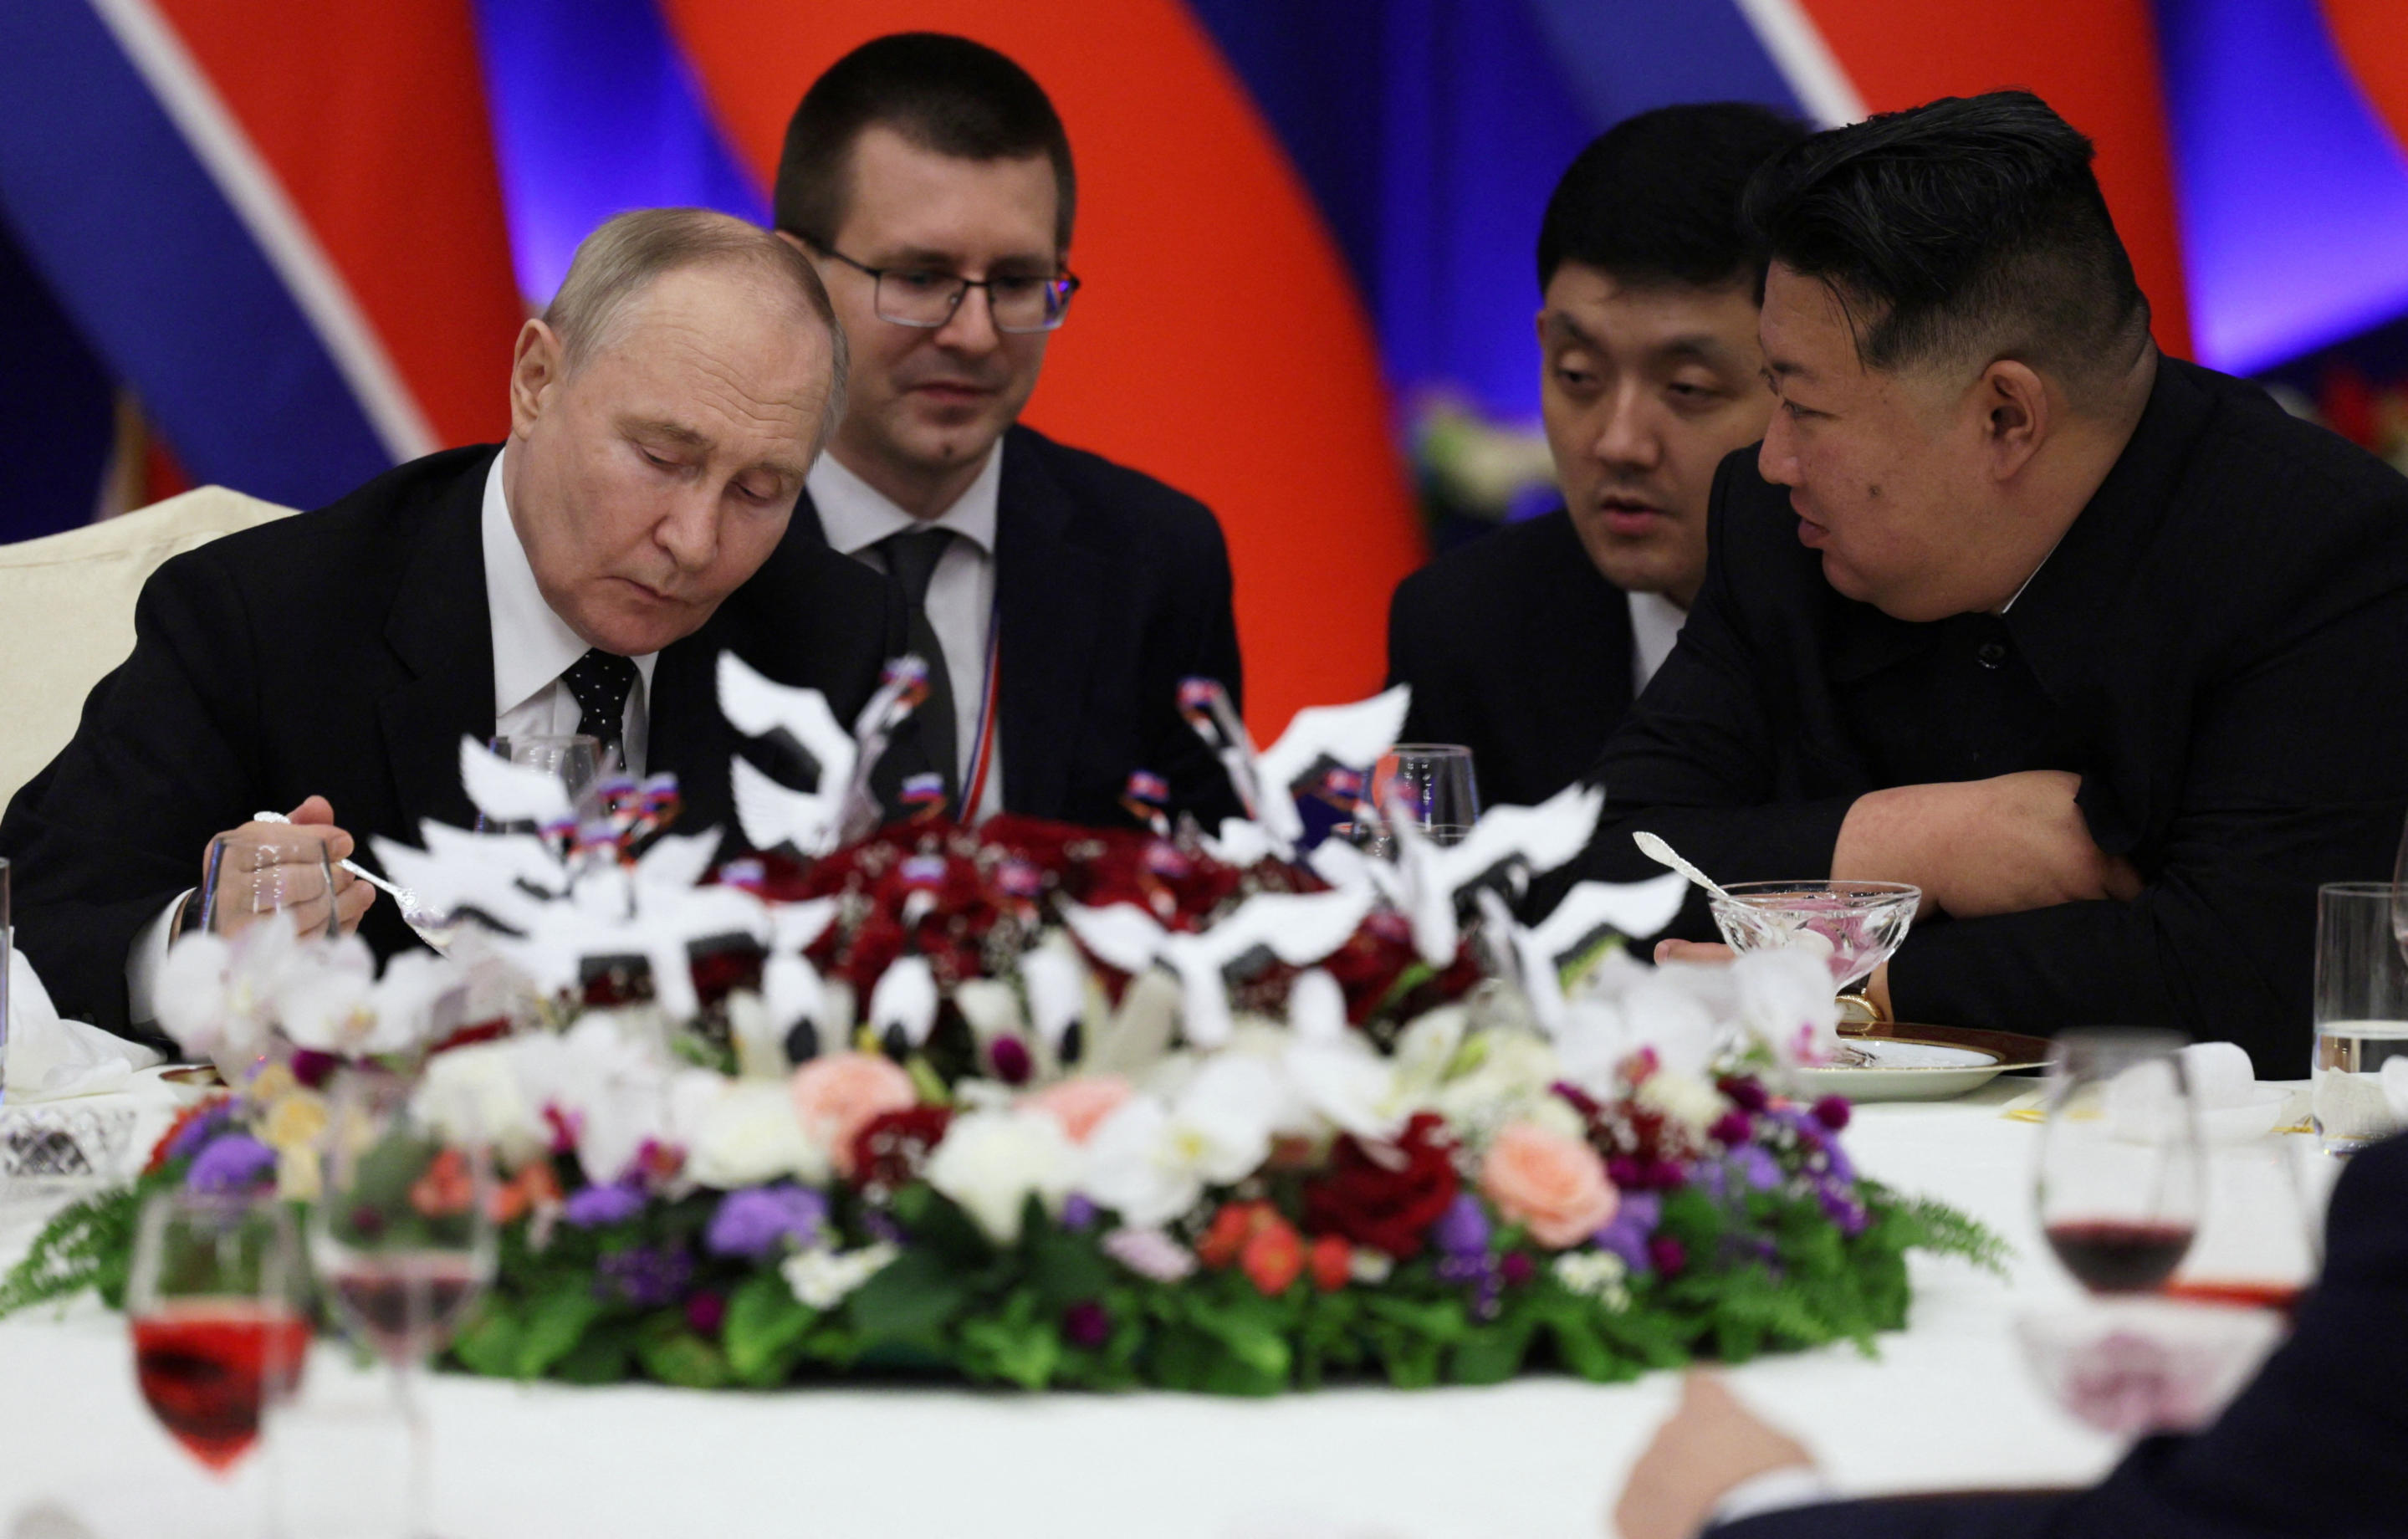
x=1065, y=596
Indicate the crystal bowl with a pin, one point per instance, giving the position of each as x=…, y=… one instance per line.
x=1852, y=926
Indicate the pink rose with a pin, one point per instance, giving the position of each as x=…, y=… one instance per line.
x=1554, y=1186
x=838, y=1096
x=1079, y=1104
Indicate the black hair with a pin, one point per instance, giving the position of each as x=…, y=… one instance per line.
x=944, y=94
x=1655, y=198
x=1969, y=225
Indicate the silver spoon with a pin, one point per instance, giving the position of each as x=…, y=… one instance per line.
x=1662, y=854
x=1655, y=849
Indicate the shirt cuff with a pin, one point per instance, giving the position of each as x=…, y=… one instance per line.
x=1775, y=1491
x=144, y=959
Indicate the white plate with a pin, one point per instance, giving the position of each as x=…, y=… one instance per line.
x=1922, y=1063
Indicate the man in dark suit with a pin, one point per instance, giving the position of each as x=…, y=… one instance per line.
x=2311, y=1448
x=1528, y=644
x=2071, y=636
x=582, y=578
x=1066, y=596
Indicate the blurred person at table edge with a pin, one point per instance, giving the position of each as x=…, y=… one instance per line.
x=584, y=576
x=2311, y=1448
x=1527, y=644
x=2008, y=605
x=1064, y=597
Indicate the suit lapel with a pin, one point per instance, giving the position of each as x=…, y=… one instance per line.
x=440, y=629
x=1046, y=586
x=689, y=738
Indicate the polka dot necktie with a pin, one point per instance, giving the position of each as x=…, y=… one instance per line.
x=911, y=560
x=600, y=680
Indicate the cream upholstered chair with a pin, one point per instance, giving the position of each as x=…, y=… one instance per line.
x=67, y=613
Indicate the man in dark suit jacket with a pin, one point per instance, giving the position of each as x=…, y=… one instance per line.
x=1528, y=644
x=2073, y=637
x=331, y=662
x=930, y=178
x=2311, y=1448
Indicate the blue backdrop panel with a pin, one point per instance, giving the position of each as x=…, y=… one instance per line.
x=57, y=412
x=159, y=273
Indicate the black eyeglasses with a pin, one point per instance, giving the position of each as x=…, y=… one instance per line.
x=926, y=297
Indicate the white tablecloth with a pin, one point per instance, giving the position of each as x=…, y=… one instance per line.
x=1948, y=1402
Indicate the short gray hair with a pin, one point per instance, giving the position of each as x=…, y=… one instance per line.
x=629, y=252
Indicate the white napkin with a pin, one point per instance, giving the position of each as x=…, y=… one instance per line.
x=2219, y=1073
x=51, y=1058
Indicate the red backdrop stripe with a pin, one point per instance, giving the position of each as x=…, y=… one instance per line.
x=1218, y=344
x=2372, y=38
x=373, y=119
x=2095, y=61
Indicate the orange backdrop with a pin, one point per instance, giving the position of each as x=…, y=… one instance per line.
x=1218, y=342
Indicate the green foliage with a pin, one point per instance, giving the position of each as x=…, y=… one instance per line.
x=88, y=1244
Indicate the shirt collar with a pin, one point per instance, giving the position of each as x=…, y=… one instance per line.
x=533, y=646
x=855, y=515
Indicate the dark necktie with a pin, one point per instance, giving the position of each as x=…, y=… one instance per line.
x=600, y=680
x=911, y=560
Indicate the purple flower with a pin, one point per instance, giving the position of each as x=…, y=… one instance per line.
x=706, y=1312
x=1832, y=1112
x=647, y=1276
x=1078, y=1213
x=1757, y=1167
x=1843, y=1207
x=1632, y=1224
x=1730, y=1129
x=1010, y=1056
x=595, y=1206
x=1714, y=1178
x=1668, y=1255
x=202, y=1128
x=1086, y=1324
x=1518, y=1268
x=231, y=1163
x=1462, y=1229
x=760, y=1220
x=1745, y=1092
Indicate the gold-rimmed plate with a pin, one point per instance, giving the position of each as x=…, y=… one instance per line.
x=1911, y=1062
x=193, y=1076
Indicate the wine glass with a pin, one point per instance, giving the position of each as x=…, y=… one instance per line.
x=403, y=1238
x=575, y=758
x=252, y=873
x=2121, y=1168
x=1430, y=784
x=1852, y=926
x=215, y=1301
x=2259, y=1243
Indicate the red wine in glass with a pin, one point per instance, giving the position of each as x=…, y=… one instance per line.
x=208, y=1367
x=2119, y=1255
x=407, y=1303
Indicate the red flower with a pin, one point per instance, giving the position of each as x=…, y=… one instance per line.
x=1231, y=1228
x=891, y=1147
x=1332, y=1263
x=1273, y=1257
x=1388, y=1199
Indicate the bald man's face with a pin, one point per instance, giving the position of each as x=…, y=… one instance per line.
x=654, y=480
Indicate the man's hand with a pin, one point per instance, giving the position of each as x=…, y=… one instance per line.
x=269, y=868
x=1979, y=847
x=1710, y=1445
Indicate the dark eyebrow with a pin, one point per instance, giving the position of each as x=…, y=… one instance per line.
x=1038, y=264
x=1558, y=322
x=1782, y=369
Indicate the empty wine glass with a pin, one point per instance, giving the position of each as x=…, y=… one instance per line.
x=2120, y=1168
x=1852, y=926
x=403, y=1239
x=250, y=874
x=1430, y=784
x=575, y=758
x=215, y=1298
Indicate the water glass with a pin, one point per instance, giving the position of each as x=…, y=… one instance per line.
x=254, y=872
x=2360, y=1011
x=1430, y=784
x=2121, y=1170
x=575, y=758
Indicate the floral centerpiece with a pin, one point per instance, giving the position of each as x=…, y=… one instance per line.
x=1050, y=1106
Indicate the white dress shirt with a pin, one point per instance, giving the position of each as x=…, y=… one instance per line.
x=1655, y=625
x=532, y=648
x=855, y=516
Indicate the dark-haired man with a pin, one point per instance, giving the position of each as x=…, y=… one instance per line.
x=1067, y=596
x=2074, y=637
x=1528, y=644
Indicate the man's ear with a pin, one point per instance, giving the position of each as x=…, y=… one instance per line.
x=2017, y=415
x=538, y=364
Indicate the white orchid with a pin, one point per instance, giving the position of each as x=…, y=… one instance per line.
x=1152, y=1158
x=217, y=996
x=744, y=1134
x=822, y=1279
x=475, y=1093
x=331, y=1000
x=992, y=1161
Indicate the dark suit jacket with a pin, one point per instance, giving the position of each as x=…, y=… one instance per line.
x=2215, y=647
x=1112, y=588
x=344, y=653
x=2316, y=1446
x=1519, y=649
